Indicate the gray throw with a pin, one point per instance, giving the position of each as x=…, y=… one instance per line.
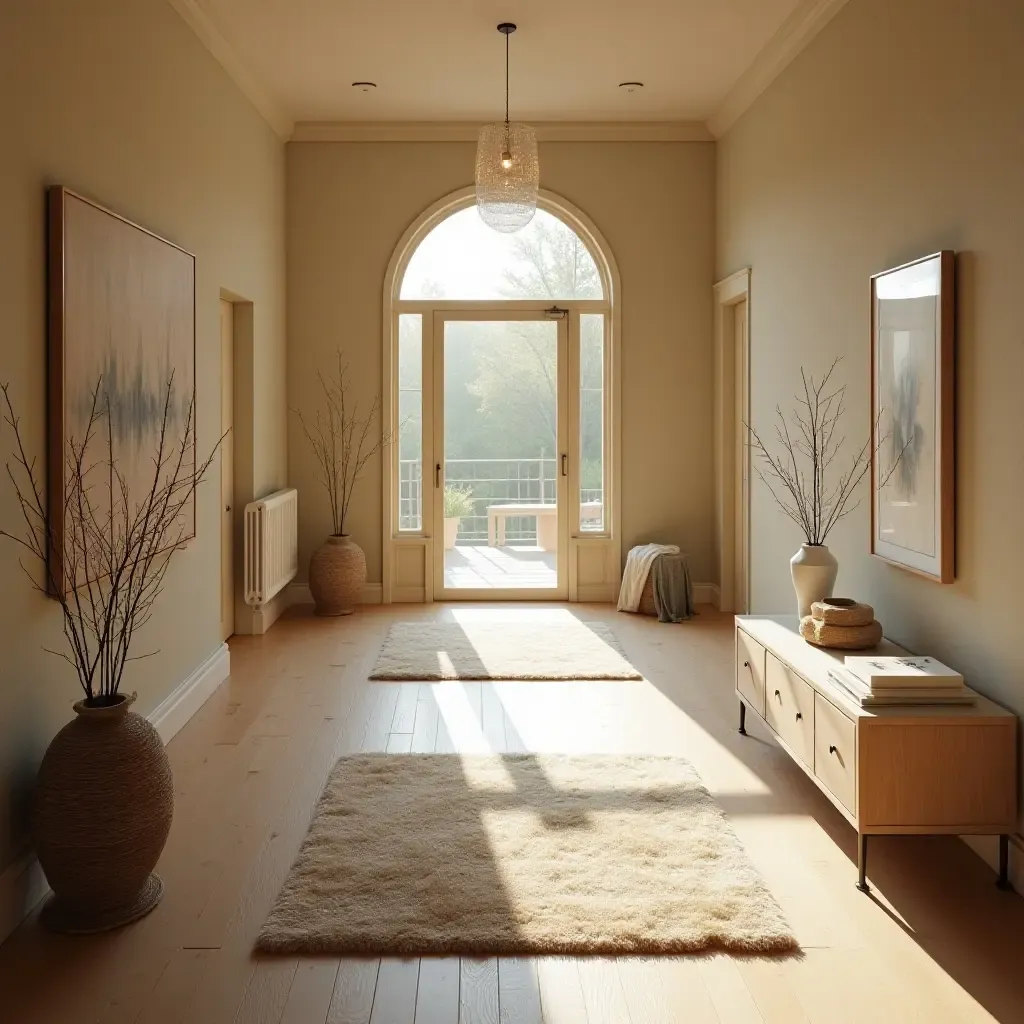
x=673, y=591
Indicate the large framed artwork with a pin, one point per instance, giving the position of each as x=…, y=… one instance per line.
x=121, y=318
x=912, y=415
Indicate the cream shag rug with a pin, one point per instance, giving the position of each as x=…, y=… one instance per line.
x=414, y=855
x=502, y=650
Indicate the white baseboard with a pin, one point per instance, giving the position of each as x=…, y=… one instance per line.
x=987, y=848
x=23, y=884
x=298, y=593
x=707, y=593
x=250, y=621
x=188, y=697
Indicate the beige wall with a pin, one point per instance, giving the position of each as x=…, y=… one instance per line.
x=896, y=133
x=119, y=100
x=348, y=205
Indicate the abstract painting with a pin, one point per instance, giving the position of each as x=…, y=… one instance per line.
x=121, y=319
x=912, y=414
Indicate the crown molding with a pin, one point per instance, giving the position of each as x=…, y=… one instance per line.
x=466, y=131
x=793, y=35
x=195, y=16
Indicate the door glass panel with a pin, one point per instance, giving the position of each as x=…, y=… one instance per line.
x=410, y=421
x=592, y=503
x=500, y=458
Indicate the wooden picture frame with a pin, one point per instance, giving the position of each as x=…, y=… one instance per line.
x=913, y=397
x=121, y=307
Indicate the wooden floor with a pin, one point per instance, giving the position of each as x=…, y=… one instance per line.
x=935, y=942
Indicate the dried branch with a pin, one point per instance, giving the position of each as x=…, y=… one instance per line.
x=342, y=441
x=116, y=545
x=796, y=477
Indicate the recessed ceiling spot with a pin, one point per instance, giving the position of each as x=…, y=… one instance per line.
x=631, y=86
x=364, y=86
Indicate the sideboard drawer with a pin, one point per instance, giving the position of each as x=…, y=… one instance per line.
x=750, y=657
x=789, y=708
x=835, y=752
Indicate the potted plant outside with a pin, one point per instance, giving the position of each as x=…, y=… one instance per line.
x=458, y=502
x=342, y=442
x=104, y=794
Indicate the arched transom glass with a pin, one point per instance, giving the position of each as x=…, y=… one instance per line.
x=462, y=258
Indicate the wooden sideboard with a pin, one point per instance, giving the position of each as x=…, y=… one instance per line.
x=888, y=771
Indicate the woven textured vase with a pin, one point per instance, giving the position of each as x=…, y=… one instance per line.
x=337, y=572
x=103, y=805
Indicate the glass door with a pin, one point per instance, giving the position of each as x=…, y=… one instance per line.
x=500, y=475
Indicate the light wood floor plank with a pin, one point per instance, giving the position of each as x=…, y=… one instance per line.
x=518, y=991
x=602, y=992
x=561, y=995
x=394, y=1000
x=310, y=996
x=646, y=998
x=685, y=989
x=424, y=733
x=437, y=999
x=478, y=991
x=729, y=993
x=354, y=986
x=267, y=992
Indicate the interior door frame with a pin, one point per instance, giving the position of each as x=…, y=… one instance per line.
x=567, y=498
x=732, y=453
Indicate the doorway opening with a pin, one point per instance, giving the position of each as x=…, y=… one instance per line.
x=502, y=358
x=732, y=449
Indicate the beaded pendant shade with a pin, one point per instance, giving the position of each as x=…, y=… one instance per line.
x=507, y=169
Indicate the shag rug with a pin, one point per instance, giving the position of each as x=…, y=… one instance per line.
x=502, y=650
x=416, y=855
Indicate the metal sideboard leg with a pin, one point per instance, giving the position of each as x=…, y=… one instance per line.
x=862, y=863
x=743, y=719
x=1003, y=881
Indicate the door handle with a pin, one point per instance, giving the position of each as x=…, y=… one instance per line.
x=565, y=464
x=437, y=475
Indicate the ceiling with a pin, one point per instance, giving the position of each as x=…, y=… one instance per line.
x=443, y=60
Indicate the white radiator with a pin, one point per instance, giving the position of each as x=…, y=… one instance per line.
x=271, y=545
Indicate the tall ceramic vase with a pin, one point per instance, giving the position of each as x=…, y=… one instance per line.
x=337, y=572
x=814, y=569
x=103, y=805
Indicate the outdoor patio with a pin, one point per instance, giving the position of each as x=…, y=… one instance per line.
x=519, y=566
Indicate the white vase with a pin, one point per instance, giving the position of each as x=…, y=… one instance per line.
x=814, y=569
x=451, y=531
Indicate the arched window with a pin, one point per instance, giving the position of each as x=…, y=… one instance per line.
x=500, y=391
x=462, y=258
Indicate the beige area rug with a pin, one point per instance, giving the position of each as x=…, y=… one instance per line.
x=414, y=855
x=502, y=650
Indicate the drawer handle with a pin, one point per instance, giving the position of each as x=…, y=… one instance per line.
x=779, y=695
x=746, y=664
x=799, y=716
x=832, y=749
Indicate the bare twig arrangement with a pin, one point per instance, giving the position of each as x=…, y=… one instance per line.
x=810, y=446
x=106, y=563
x=342, y=441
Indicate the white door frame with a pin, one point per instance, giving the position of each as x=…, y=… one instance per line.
x=732, y=508
x=595, y=559
x=566, y=497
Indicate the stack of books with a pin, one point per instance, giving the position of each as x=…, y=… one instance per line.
x=884, y=681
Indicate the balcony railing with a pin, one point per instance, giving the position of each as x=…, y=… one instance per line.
x=491, y=482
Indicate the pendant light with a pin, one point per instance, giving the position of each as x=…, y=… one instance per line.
x=507, y=171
